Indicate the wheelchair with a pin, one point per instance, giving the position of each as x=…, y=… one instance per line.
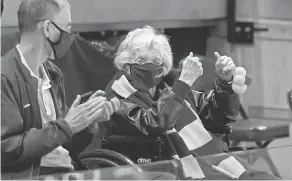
x=118, y=150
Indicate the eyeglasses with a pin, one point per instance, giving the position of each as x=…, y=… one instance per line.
x=61, y=27
x=142, y=61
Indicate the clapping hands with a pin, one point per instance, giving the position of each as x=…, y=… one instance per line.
x=97, y=109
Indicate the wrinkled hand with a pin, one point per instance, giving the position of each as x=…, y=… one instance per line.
x=96, y=94
x=105, y=114
x=111, y=106
x=224, y=67
x=191, y=70
x=81, y=116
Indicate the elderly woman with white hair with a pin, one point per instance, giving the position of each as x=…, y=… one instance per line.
x=176, y=113
x=143, y=59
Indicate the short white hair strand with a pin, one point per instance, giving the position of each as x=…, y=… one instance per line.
x=144, y=44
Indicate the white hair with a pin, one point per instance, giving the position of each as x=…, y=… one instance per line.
x=144, y=45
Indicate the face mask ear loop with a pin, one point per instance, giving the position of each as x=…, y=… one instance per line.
x=60, y=35
x=53, y=44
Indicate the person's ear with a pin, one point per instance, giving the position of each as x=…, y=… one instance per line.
x=46, y=28
x=50, y=31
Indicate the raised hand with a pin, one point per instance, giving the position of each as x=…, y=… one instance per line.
x=224, y=67
x=191, y=70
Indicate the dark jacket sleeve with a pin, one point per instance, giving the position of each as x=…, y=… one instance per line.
x=80, y=141
x=18, y=146
x=218, y=108
x=133, y=119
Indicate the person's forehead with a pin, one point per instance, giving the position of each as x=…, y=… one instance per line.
x=64, y=16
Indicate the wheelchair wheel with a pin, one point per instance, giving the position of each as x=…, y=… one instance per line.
x=95, y=163
x=105, y=158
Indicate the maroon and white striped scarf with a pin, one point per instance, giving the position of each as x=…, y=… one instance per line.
x=188, y=139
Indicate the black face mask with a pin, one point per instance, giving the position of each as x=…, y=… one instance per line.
x=148, y=73
x=63, y=44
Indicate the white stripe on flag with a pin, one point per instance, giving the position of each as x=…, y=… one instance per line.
x=191, y=167
x=171, y=131
x=195, y=135
x=96, y=175
x=199, y=120
x=176, y=157
x=232, y=166
x=123, y=88
x=120, y=90
x=50, y=177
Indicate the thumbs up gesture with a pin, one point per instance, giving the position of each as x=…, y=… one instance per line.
x=191, y=70
x=224, y=67
x=236, y=76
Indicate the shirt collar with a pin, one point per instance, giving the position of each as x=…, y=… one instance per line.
x=45, y=79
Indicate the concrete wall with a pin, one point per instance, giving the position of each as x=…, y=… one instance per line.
x=93, y=15
x=268, y=61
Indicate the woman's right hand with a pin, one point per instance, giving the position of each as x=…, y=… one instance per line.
x=191, y=70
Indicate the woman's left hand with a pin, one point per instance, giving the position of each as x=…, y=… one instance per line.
x=224, y=67
x=96, y=94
